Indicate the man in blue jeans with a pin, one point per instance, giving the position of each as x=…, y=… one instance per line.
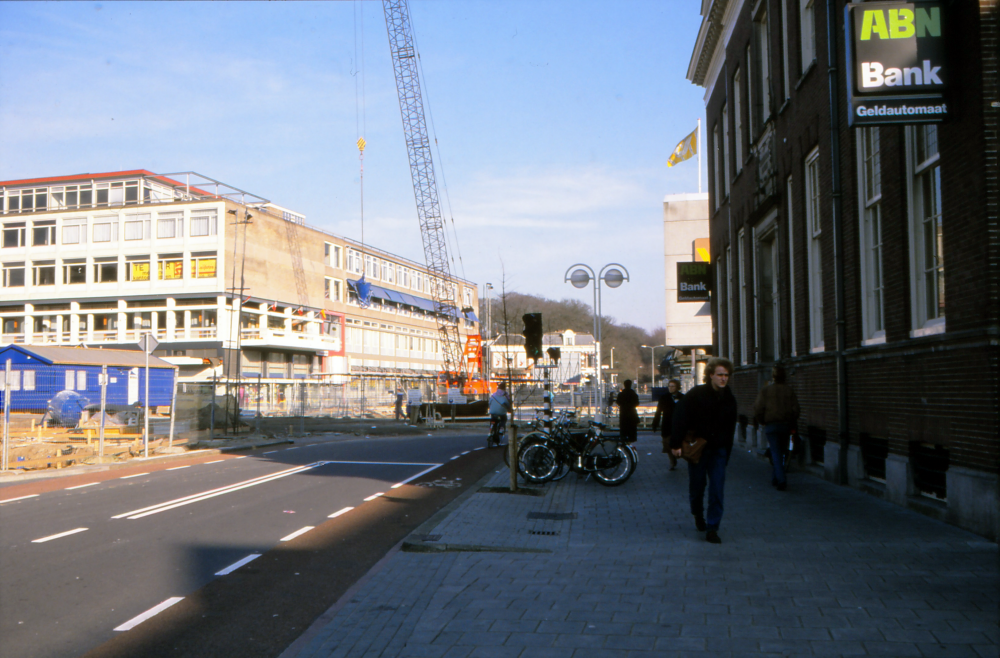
x=708, y=412
x=777, y=409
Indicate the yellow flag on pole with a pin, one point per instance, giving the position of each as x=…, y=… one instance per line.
x=685, y=149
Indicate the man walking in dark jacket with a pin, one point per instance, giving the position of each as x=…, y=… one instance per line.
x=664, y=417
x=628, y=415
x=708, y=412
x=777, y=409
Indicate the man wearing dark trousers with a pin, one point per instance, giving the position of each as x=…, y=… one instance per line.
x=708, y=412
x=628, y=415
x=663, y=419
x=777, y=409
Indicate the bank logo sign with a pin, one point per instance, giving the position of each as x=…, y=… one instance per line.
x=896, y=62
x=694, y=282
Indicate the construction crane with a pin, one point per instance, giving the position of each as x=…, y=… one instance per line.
x=444, y=292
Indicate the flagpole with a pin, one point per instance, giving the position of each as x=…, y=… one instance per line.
x=698, y=151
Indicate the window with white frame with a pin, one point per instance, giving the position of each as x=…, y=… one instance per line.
x=371, y=267
x=43, y=233
x=43, y=273
x=203, y=264
x=725, y=149
x=790, y=224
x=722, y=293
x=741, y=277
x=203, y=223
x=331, y=255
x=717, y=164
x=171, y=225
x=785, y=59
x=750, y=93
x=106, y=269
x=13, y=275
x=738, y=120
x=137, y=227
x=332, y=289
x=814, y=234
x=763, y=77
x=105, y=229
x=766, y=292
x=28, y=381
x=388, y=271
x=354, y=261
x=926, y=227
x=729, y=302
x=74, y=271
x=14, y=235
x=870, y=198
x=807, y=32
x=74, y=231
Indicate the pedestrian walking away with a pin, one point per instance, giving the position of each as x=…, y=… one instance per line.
x=399, y=404
x=663, y=419
x=707, y=412
x=777, y=409
x=628, y=415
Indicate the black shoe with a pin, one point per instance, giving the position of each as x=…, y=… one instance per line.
x=713, y=537
x=782, y=487
x=774, y=482
x=699, y=522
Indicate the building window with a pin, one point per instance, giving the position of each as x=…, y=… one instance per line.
x=742, y=281
x=106, y=270
x=333, y=290
x=926, y=231
x=354, y=261
x=762, y=94
x=371, y=267
x=331, y=255
x=750, y=101
x=721, y=271
x=767, y=297
x=790, y=223
x=203, y=265
x=74, y=233
x=870, y=188
x=137, y=268
x=717, y=165
x=814, y=233
x=43, y=233
x=13, y=275
x=169, y=266
x=106, y=229
x=137, y=227
x=738, y=120
x=203, y=222
x=785, y=60
x=74, y=271
x=171, y=226
x=725, y=149
x=14, y=235
x=44, y=273
x=807, y=29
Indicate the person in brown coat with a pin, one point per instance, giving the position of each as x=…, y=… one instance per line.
x=777, y=409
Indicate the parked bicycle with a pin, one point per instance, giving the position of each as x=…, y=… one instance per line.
x=546, y=455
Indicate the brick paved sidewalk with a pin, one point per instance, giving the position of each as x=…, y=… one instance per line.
x=818, y=570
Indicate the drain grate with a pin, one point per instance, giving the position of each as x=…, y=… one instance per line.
x=547, y=533
x=427, y=537
x=552, y=516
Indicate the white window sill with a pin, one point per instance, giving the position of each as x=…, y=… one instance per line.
x=932, y=328
x=877, y=339
x=819, y=348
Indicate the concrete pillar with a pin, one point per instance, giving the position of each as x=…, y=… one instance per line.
x=29, y=324
x=74, y=323
x=974, y=501
x=898, y=479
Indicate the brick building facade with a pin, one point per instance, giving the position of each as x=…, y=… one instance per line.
x=913, y=414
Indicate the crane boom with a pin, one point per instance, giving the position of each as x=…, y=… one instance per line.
x=432, y=230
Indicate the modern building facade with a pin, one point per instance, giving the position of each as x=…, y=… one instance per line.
x=865, y=259
x=578, y=354
x=231, y=285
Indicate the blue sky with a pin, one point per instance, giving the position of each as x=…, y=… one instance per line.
x=554, y=120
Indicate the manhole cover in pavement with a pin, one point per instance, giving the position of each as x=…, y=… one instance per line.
x=552, y=516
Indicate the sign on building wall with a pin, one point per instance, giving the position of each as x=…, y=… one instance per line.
x=896, y=65
x=694, y=282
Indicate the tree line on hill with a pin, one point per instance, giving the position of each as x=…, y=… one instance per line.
x=631, y=360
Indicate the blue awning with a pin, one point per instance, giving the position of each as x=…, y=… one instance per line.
x=471, y=316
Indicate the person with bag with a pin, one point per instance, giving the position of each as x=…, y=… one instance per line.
x=628, y=414
x=663, y=419
x=777, y=409
x=705, y=420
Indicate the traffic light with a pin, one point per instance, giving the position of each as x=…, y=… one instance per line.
x=554, y=354
x=533, y=335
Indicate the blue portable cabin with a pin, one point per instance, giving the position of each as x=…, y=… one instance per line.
x=42, y=371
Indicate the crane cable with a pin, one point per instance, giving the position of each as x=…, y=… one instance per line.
x=360, y=126
x=444, y=180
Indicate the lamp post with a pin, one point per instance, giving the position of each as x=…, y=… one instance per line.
x=652, y=364
x=487, y=356
x=613, y=275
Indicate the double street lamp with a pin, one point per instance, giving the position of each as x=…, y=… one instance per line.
x=652, y=363
x=613, y=275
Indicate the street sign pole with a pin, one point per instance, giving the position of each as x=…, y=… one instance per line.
x=148, y=344
x=6, y=414
x=104, y=400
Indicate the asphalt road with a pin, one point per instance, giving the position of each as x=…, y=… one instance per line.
x=232, y=555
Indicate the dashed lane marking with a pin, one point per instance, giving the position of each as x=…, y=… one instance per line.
x=60, y=535
x=152, y=612
x=126, y=477
x=374, y=496
x=269, y=452
x=216, y=461
x=236, y=565
x=300, y=531
x=339, y=512
x=11, y=500
x=81, y=486
x=177, y=468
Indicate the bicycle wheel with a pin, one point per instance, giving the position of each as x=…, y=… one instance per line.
x=613, y=461
x=530, y=437
x=537, y=462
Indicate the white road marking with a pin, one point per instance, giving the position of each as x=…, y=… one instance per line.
x=455, y=457
x=465, y=453
x=216, y=461
x=295, y=448
x=374, y=496
x=177, y=468
x=236, y=565
x=388, y=463
x=194, y=498
x=11, y=500
x=125, y=477
x=396, y=486
x=152, y=612
x=61, y=534
x=423, y=472
x=269, y=452
x=480, y=448
x=81, y=486
x=339, y=512
x=300, y=531
x=241, y=457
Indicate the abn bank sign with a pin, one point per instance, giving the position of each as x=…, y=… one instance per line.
x=896, y=62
